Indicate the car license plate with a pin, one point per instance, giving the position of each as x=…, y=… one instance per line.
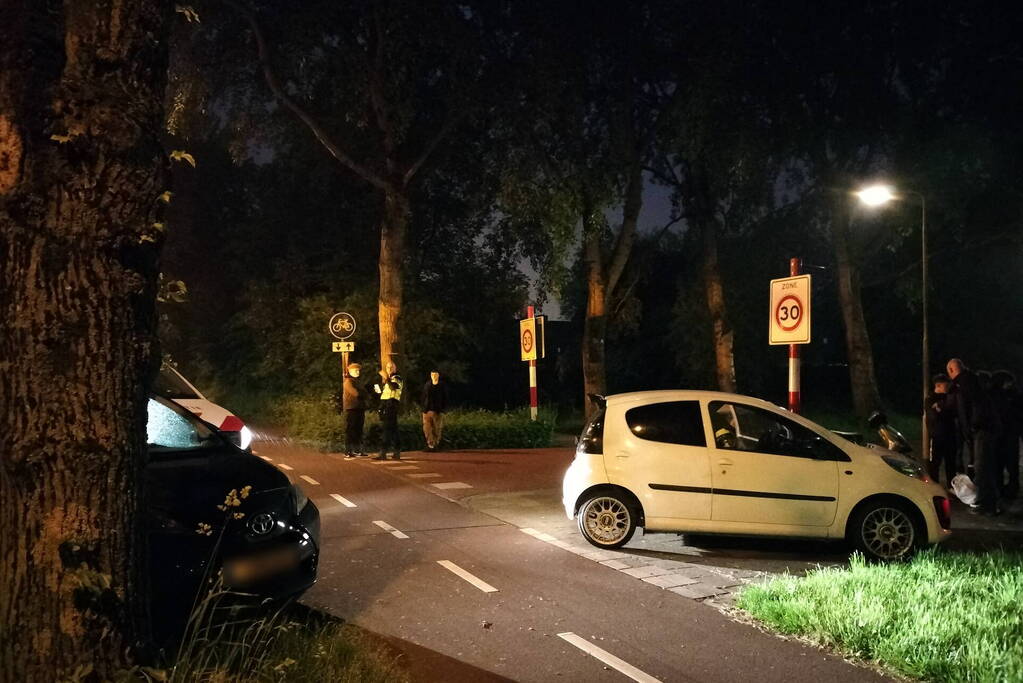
x=252, y=568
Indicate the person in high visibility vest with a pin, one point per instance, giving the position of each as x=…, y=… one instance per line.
x=389, y=391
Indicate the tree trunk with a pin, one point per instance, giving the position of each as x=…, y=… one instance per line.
x=862, y=380
x=392, y=256
x=81, y=167
x=595, y=327
x=724, y=359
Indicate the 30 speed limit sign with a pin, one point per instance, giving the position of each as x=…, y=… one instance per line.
x=790, y=310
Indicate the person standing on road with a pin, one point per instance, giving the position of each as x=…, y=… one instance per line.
x=435, y=402
x=389, y=391
x=1010, y=413
x=941, y=426
x=980, y=427
x=355, y=398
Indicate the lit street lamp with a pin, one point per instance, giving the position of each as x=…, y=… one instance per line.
x=878, y=195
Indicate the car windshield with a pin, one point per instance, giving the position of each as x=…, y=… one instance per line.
x=170, y=385
x=167, y=429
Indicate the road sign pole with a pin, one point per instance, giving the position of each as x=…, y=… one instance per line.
x=795, y=400
x=533, y=403
x=344, y=365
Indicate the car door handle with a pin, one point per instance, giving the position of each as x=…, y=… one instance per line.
x=725, y=463
x=622, y=455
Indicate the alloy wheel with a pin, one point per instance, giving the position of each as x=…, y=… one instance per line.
x=606, y=520
x=888, y=533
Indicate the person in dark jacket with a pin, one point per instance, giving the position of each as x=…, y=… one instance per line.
x=435, y=402
x=389, y=389
x=941, y=426
x=1009, y=407
x=355, y=399
x=979, y=425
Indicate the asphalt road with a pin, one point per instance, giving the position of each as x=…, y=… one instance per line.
x=403, y=557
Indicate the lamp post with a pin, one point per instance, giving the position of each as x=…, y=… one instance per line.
x=878, y=195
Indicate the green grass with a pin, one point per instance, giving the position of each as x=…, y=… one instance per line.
x=941, y=616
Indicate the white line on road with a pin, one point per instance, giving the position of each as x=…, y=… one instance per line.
x=452, y=485
x=425, y=475
x=341, y=499
x=310, y=480
x=374, y=461
x=285, y=467
x=458, y=571
x=267, y=458
x=387, y=527
x=405, y=467
x=619, y=665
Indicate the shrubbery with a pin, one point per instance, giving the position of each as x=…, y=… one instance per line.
x=316, y=422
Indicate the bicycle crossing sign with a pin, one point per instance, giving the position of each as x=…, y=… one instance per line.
x=341, y=325
x=790, y=310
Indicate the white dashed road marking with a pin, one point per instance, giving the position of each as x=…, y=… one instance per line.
x=603, y=655
x=452, y=485
x=341, y=499
x=405, y=467
x=285, y=467
x=474, y=580
x=387, y=527
x=267, y=458
x=310, y=480
x=425, y=475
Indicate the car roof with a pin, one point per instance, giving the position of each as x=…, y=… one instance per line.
x=686, y=395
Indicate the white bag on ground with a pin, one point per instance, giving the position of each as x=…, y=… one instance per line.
x=964, y=489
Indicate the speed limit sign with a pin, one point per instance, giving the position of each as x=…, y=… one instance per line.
x=790, y=310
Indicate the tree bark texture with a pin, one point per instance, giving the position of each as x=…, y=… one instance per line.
x=724, y=358
x=862, y=379
x=393, y=229
x=595, y=325
x=81, y=170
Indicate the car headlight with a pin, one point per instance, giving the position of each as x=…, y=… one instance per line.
x=907, y=467
x=244, y=438
x=300, y=498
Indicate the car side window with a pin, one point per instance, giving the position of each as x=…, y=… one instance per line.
x=739, y=427
x=168, y=430
x=677, y=422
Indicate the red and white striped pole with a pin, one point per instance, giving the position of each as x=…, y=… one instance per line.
x=795, y=400
x=533, y=403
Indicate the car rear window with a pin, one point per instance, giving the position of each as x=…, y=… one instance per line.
x=169, y=385
x=677, y=422
x=592, y=438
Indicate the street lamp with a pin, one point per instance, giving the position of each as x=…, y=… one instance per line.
x=878, y=195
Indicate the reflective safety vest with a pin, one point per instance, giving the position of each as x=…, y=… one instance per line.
x=390, y=393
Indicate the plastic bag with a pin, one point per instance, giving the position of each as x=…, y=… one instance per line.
x=964, y=489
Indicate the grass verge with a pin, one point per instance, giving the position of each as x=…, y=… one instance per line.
x=941, y=616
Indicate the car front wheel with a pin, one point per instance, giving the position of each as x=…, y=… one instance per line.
x=885, y=531
x=606, y=521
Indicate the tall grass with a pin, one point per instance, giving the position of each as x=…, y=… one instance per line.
x=941, y=616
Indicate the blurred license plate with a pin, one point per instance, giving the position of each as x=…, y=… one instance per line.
x=251, y=568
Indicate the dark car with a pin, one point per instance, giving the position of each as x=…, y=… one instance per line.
x=214, y=506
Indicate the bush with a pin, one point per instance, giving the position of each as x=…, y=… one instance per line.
x=316, y=422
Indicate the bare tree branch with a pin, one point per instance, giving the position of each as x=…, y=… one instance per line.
x=322, y=136
x=449, y=124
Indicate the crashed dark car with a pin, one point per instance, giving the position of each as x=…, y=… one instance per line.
x=214, y=508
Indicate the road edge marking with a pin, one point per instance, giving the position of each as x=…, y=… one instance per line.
x=285, y=467
x=309, y=479
x=344, y=501
x=390, y=529
x=619, y=665
x=474, y=580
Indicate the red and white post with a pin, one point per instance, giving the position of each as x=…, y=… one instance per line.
x=533, y=402
x=795, y=400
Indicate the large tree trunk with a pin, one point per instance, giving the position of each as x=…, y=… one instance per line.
x=862, y=379
x=595, y=326
x=724, y=358
x=81, y=167
x=392, y=256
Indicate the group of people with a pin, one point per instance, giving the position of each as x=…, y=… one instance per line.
x=975, y=422
x=356, y=399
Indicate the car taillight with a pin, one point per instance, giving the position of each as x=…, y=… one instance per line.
x=943, y=508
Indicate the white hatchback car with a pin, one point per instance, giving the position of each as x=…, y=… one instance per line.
x=172, y=385
x=715, y=463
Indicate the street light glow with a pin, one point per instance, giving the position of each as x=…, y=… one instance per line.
x=876, y=195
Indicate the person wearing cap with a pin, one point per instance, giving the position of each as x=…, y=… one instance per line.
x=435, y=402
x=354, y=397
